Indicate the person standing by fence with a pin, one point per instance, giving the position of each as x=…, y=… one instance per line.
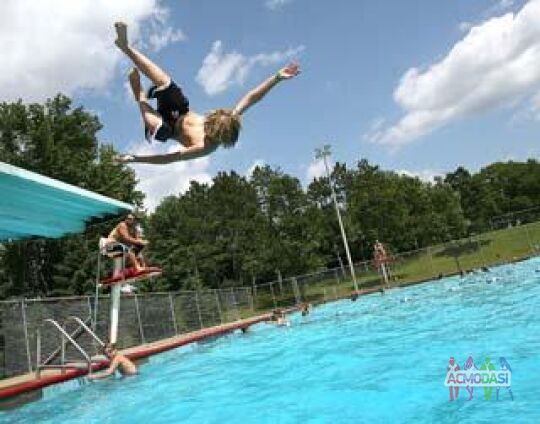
x=380, y=258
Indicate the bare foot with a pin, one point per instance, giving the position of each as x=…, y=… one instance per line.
x=121, y=35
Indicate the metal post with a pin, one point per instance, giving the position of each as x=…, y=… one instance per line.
x=341, y=264
x=173, y=315
x=251, y=304
x=273, y=297
x=198, y=310
x=324, y=153
x=96, y=299
x=430, y=256
x=531, y=246
x=384, y=274
x=141, y=332
x=254, y=293
x=63, y=354
x=27, y=342
x=89, y=302
x=38, y=349
x=235, y=305
x=479, y=247
x=280, y=281
x=336, y=276
x=335, y=293
x=93, y=324
x=219, y=307
x=296, y=291
x=115, y=302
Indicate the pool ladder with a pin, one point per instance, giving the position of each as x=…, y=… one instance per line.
x=67, y=338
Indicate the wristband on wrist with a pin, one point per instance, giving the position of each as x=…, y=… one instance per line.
x=278, y=77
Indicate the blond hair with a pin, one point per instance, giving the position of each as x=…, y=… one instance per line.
x=222, y=126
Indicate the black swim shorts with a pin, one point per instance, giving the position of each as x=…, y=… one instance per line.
x=171, y=105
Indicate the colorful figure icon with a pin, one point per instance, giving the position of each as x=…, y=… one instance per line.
x=469, y=364
x=453, y=367
x=505, y=366
x=487, y=366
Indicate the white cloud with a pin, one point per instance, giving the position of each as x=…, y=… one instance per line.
x=425, y=175
x=159, y=40
x=276, y=4
x=498, y=8
x=495, y=64
x=160, y=181
x=52, y=46
x=257, y=163
x=315, y=170
x=220, y=70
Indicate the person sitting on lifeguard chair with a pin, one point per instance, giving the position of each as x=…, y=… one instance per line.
x=125, y=236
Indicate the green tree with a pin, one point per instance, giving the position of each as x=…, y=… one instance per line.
x=60, y=141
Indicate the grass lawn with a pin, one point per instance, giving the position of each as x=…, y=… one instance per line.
x=485, y=249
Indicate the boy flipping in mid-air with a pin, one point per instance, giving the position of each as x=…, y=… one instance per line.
x=200, y=135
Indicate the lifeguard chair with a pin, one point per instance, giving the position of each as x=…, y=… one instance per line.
x=35, y=206
x=121, y=275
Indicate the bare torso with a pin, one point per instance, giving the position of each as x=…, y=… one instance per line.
x=125, y=366
x=190, y=130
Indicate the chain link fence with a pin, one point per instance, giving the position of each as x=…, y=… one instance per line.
x=149, y=317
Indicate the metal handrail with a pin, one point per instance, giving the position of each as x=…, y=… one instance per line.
x=74, y=335
x=65, y=336
x=85, y=327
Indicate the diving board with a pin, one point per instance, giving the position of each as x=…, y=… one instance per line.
x=32, y=205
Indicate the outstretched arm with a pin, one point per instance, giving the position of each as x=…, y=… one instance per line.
x=109, y=371
x=163, y=159
x=288, y=72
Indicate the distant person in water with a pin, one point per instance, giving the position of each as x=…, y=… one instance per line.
x=279, y=318
x=306, y=309
x=173, y=119
x=117, y=361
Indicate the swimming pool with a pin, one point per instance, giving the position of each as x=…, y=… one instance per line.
x=380, y=359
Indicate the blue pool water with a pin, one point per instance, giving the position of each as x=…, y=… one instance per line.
x=381, y=359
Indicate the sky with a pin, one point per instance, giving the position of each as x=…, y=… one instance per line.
x=420, y=86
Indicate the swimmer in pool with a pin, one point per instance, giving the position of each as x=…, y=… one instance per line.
x=117, y=361
x=279, y=318
x=306, y=309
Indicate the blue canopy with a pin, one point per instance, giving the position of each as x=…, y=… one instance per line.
x=32, y=205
